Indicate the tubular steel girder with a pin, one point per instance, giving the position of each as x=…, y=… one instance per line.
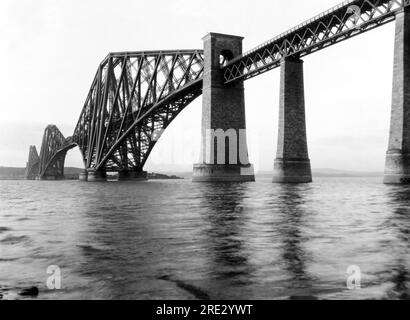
x=342, y=22
x=133, y=98
x=53, y=151
x=32, y=166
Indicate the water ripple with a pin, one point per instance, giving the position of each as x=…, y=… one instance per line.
x=237, y=241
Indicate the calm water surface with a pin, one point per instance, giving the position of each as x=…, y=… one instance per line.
x=179, y=240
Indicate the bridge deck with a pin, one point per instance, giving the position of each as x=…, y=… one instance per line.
x=339, y=23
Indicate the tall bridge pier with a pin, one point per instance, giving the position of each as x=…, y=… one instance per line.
x=224, y=151
x=398, y=155
x=292, y=164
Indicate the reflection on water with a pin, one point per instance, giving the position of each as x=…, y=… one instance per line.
x=225, y=220
x=179, y=240
x=292, y=220
x=399, y=222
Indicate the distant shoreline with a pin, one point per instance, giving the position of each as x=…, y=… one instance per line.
x=15, y=173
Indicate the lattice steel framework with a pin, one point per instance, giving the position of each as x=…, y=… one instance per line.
x=53, y=151
x=136, y=95
x=335, y=25
x=32, y=166
x=133, y=98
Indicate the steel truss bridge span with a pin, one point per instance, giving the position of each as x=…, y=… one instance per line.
x=135, y=96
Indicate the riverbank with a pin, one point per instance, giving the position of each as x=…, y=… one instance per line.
x=11, y=173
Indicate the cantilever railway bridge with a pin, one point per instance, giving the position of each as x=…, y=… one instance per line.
x=136, y=95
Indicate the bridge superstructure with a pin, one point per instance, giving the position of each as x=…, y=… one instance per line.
x=337, y=24
x=136, y=95
x=133, y=98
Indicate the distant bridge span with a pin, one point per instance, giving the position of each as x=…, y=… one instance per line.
x=136, y=95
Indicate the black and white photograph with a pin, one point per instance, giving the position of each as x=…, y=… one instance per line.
x=211, y=152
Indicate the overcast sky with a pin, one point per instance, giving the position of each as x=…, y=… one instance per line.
x=50, y=51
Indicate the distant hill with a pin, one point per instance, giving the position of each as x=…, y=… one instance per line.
x=12, y=173
x=9, y=173
x=344, y=173
x=331, y=173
